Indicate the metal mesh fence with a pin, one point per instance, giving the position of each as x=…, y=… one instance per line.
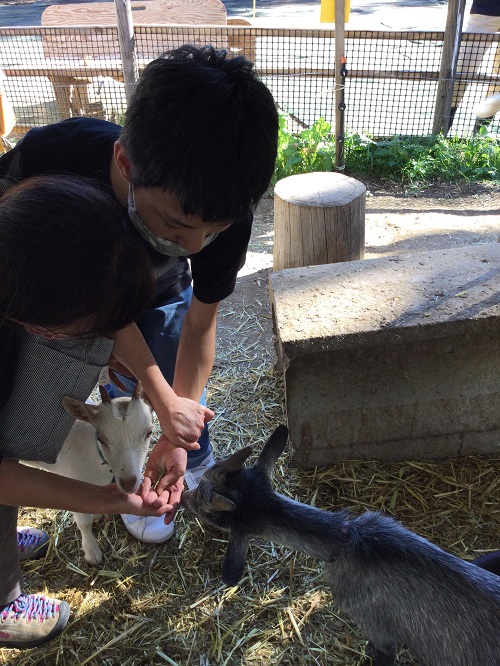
x=391, y=87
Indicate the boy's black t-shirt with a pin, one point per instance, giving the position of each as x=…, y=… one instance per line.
x=84, y=147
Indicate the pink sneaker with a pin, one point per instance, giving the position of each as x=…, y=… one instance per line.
x=31, y=620
x=32, y=543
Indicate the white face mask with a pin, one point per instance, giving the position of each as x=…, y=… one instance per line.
x=161, y=245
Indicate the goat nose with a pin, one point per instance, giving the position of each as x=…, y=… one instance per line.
x=128, y=484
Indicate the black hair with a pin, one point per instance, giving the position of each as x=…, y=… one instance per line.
x=65, y=255
x=203, y=127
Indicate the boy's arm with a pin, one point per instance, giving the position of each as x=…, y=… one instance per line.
x=196, y=352
x=195, y=358
x=181, y=419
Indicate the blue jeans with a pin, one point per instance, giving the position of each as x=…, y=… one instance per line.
x=161, y=329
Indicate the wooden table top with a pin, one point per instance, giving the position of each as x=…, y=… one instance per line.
x=145, y=12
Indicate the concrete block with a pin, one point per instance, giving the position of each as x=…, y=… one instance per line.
x=391, y=358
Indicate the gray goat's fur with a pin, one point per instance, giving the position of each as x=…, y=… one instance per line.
x=398, y=587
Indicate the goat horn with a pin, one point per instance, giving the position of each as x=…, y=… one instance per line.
x=137, y=394
x=104, y=394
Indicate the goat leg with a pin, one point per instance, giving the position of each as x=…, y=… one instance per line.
x=91, y=550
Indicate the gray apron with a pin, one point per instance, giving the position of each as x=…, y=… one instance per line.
x=33, y=422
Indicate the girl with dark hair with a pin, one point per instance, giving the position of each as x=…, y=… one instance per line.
x=72, y=282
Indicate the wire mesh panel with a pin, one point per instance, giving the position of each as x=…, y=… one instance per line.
x=478, y=70
x=391, y=86
x=392, y=82
x=152, y=41
x=56, y=73
x=21, y=59
x=298, y=66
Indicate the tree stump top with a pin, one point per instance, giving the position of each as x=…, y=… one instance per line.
x=320, y=188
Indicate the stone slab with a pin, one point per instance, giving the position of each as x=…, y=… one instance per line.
x=391, y=358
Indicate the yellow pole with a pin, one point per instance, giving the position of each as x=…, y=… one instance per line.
x=254, y=8
x=327, y=12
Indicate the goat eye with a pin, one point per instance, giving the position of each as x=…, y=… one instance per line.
x=148, y=434
x=102, y=442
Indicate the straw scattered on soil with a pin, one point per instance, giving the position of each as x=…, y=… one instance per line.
x=165, y=605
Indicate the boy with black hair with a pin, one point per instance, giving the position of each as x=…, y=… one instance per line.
x=195, y=155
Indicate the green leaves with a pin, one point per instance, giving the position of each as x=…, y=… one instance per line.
x=312, y=149
x=411, y=160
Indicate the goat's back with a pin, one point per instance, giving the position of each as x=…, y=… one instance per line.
x=402, y=589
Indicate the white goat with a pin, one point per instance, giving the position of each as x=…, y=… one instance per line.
x=489, y=106
x=109, y=439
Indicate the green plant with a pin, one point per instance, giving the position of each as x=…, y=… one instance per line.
x=423, y=160
x=414, y=161
x=313, y=149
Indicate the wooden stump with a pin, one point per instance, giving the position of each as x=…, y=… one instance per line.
x=319, y=218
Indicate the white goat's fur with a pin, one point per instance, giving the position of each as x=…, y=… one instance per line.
x=489, y=106
x=122, y=429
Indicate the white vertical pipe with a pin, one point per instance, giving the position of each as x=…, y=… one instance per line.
x=126, y=38
x=339, y=91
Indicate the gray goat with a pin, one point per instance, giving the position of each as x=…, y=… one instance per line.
x=398, y=587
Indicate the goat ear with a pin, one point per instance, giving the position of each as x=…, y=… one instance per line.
x=105, y=397
x=272, y=450
x=234, y=559
x=221, y=503
x=79, y=410
x=236, y=460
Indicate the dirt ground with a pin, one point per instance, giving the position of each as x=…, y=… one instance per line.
x=397, y=221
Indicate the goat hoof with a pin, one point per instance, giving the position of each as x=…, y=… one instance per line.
x=94, y=557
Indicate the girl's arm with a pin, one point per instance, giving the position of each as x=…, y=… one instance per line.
x=25, y=486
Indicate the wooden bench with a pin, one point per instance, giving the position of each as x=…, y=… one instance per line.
x=149, y=12
x=391, y=358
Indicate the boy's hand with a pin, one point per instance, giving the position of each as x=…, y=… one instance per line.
x=186, y=421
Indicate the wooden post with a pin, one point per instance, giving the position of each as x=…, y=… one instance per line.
x=126, y=38
x=451, y=49
x=319, y=218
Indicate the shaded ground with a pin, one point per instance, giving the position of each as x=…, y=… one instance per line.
x=441, y=217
